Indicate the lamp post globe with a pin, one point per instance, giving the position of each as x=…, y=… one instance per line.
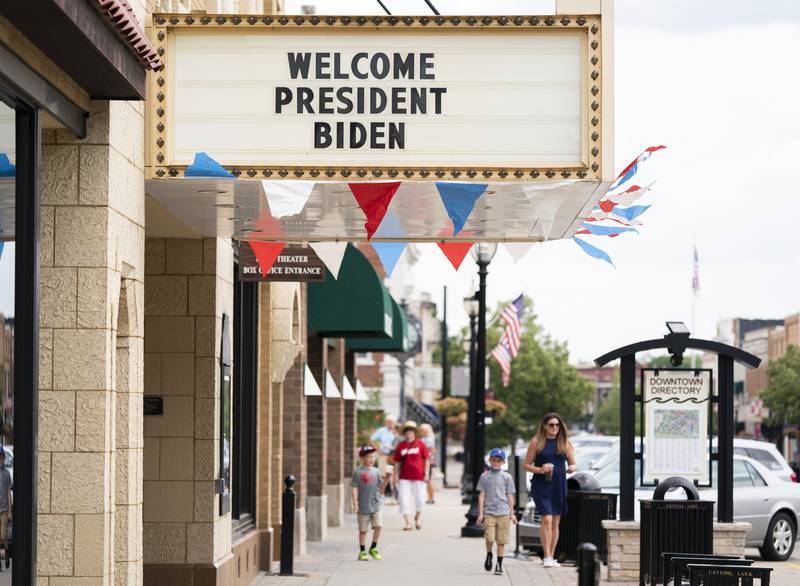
x=482, y=253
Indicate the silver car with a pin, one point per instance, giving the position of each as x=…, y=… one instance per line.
x=760, y=497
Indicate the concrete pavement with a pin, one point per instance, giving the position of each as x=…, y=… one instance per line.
x=435, y=554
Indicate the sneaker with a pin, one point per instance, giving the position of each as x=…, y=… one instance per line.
x=362, y=556
x=547, y=562
x=554, y=563
x=487, y=565
x=374, y=553
x=498, y=570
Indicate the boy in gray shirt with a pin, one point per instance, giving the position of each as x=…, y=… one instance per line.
x=368, y=486
x=496, y=508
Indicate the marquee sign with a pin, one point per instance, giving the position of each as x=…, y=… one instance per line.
x=412, y=98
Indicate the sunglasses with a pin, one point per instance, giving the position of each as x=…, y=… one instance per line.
x=553, y=425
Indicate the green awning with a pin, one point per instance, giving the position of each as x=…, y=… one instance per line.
x=399, y=342
x=356, y=305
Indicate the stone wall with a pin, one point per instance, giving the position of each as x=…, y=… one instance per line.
x=91, y=336
x=188, y=288
x=623, y=546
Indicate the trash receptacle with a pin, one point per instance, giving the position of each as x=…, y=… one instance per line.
x=684, y=526
x=587, y=508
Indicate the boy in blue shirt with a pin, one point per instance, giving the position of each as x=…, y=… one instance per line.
x=496, y=508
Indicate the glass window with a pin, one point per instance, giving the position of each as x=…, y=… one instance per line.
x=764, y=457
x=757, y=479
x=7, y=295
x=741, y=476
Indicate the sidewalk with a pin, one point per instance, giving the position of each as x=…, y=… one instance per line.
x=436, y=554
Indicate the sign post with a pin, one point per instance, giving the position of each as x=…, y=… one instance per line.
x=676, y=342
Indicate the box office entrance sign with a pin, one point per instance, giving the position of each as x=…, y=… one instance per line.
x=294, y=263
x=676, y=405
x=514, y=98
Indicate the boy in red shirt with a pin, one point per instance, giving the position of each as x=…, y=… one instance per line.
x=414, y=463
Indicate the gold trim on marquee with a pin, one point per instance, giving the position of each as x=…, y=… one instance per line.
x=590, y=168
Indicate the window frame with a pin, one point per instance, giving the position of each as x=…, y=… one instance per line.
x=244, y=404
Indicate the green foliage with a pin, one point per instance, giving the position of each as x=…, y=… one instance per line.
x=542, y=380
x=606, y=418
x=782, y=396
x=369, y=417
x=663, y=361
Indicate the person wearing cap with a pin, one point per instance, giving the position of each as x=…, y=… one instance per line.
x=414, y=461
x=367, y=489
x=496, y=508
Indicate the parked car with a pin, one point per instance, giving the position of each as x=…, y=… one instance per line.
x=760, y=497
x=764, y=452
x=587, y=440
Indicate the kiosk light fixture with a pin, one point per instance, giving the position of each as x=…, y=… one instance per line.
x=676, y=341
x=677, y=327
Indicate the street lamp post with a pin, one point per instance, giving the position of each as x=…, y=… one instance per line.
x=471, y=307
x=482, y=252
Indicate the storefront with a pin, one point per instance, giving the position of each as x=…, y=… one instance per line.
x=47, y=86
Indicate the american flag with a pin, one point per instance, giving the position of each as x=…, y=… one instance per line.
x=696, y=274
x=508, y=348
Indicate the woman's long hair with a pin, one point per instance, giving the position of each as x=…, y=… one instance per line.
x=562, y=442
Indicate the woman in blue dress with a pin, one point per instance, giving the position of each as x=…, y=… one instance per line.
x=549, y=459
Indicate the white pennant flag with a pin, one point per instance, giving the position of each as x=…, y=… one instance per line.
x=361, y=394
x=330, y=253
x=287, y=198
x=545, y=202
x=331, y=390
x=348, y=393
x=310, y=386
x=518, y=249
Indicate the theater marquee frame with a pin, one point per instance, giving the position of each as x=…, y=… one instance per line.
x=161, y=165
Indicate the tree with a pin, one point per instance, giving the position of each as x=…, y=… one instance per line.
x=782, y=396
x=456, y=354
x=606, y=418
x=542, y=380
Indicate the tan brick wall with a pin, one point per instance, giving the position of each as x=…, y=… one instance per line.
x=91, y=349
x=317, y=417
x=335, y=416
x=188, y=288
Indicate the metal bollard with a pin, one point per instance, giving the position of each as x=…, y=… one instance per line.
x=287, y=528
x=589, y=567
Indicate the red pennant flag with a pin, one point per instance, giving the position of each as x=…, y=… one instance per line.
x=374, y=200
x=455, y=251
x=266, y=254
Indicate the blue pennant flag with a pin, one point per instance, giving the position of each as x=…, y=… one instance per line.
x=631, y=212
x=205, y=166
x=459, y=200
x=390, y=226
x=606, y=230
x=593, y=251
x=7, y=169
x=389, y=253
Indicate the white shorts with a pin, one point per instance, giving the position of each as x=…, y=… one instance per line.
x=411, y=494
